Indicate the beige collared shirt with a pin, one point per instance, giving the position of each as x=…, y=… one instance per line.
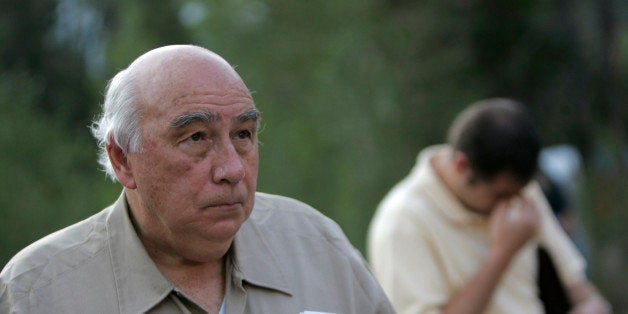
x=424, y=246
x=286, y=258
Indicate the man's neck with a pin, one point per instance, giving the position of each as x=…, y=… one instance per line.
x=200, y=278
x=203, y=283
x=444, y=169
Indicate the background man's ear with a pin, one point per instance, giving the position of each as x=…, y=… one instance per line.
x=121, y=165
x=461, y=164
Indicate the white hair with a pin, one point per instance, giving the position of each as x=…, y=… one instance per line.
x=119, y=122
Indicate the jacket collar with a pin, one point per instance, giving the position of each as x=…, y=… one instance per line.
x=255, y=260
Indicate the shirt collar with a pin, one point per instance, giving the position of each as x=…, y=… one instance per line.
x=425, y=179
x=255, y=262
x=140, y=284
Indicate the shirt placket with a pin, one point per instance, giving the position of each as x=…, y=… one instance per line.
x=235, y=295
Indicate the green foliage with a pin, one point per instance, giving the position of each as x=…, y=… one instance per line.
x=48, y=180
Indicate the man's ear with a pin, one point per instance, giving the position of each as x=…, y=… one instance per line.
x=121, y=165
x=461, y=164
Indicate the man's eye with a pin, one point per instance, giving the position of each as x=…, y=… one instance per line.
x=244, y=134
x=196, y=136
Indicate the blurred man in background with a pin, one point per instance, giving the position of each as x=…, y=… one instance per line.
x=462, y=232
x=188, y=233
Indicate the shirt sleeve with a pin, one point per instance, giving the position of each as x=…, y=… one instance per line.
x=406, y=262
x=570, y=263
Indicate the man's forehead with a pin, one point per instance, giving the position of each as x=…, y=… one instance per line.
x=503, y=181
x=175, y=74
x=507, y=184
x=231, y=95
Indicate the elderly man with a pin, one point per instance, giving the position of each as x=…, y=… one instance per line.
x=189, y=233
x=460, y=233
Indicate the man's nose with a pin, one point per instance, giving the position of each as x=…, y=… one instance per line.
x=227, y=165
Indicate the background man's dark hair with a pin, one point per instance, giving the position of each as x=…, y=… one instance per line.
x=497, y=135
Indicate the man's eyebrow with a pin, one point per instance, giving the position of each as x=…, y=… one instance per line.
x=192, y=117
x=252, y=114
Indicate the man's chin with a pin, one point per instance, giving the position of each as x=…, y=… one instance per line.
x=208, y=247
x=480, y=211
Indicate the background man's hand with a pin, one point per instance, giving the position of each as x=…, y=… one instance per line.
x=513, y=223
